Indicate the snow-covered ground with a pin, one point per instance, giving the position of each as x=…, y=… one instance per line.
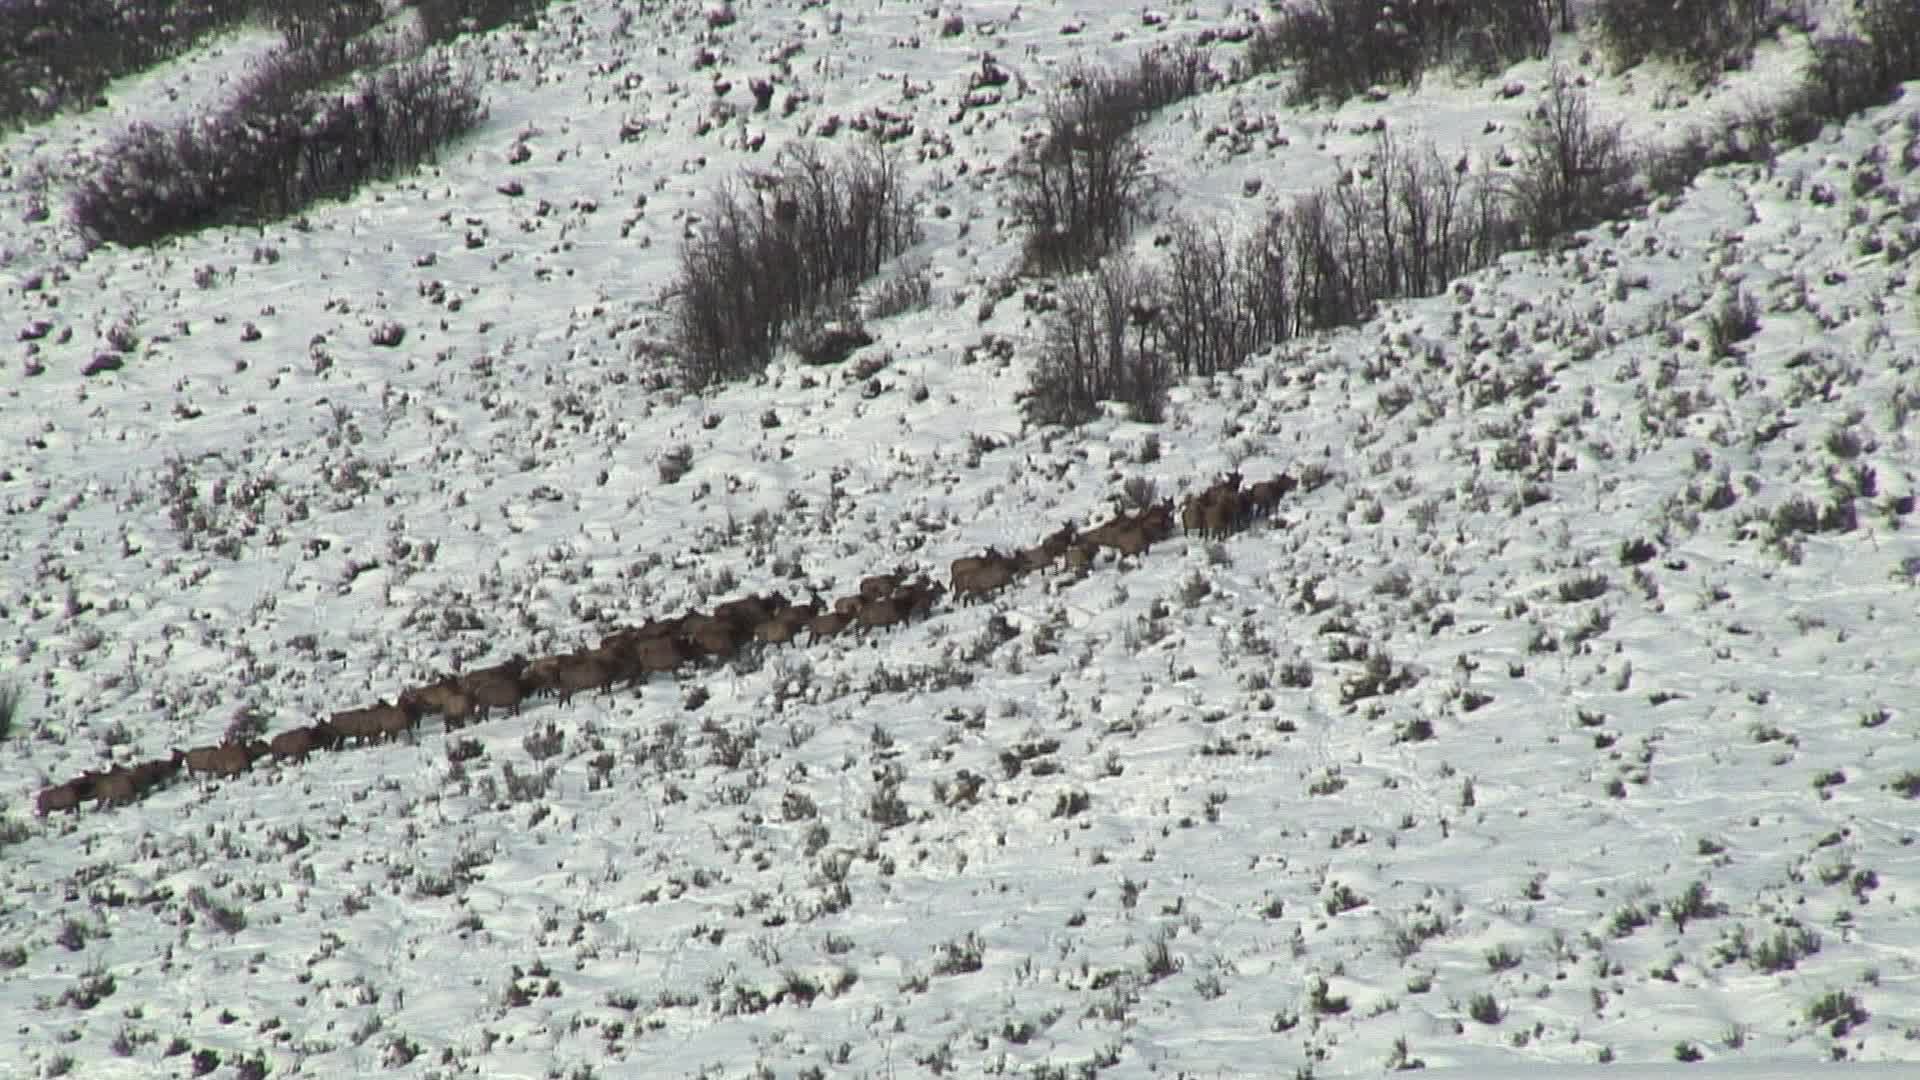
x=1143, y=821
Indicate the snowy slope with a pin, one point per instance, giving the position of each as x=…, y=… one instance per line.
x=1133, y=822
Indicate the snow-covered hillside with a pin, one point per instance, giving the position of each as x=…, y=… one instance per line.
x=1566, y=715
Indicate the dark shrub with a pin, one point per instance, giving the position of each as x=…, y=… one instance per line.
x=1855, y=71
x=303, y=22
x=444, y=20
x=55, y=54
x=1079, y=189
x=1339, y=49
x=1099, y=347
x=270, y=155
x=1205, y=322
x=1708, y=36
x=1413, y=224
x=783, y=244
x=1574, y=170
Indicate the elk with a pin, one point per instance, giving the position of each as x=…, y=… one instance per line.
x=378, y=721
x=1193, y=515
x=497, y=687
x=921, y=596
x=1080, y=556
x=151, y=774
x=1264, y=497
x=226, y=759
x=885, y=612
x=821, y=627
x=1156, y=521
x=1125, y=534
x=1042, y=555
x=1223, y=513
x=297, y=743
x=1216, y=511
x=750, y=611
x=117, y=787
x=542, y=675
x=881, y=586
x=712, y=635
x=659, y=654
x=65, y=796
x=1131, y=540
x=583, y=671
x=784, y=625
x=1103, y=534
x=975, y=576
x=445, y=697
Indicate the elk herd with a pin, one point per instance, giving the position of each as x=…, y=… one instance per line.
x=633, y=654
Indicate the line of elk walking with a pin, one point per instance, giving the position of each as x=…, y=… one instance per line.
x=631, y=655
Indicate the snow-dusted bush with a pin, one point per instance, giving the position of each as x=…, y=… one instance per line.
x=1338, y=49
x=1099, y=347
x=1575, y=169
x=56, y=54
x=790, y=242
x=1708, y=36
x=303, y=22
x=276, y=150
x=1079, y=189
x=1853, y=71
x=444, y=20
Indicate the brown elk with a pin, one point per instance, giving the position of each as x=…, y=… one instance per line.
x=1080, y=556
x=1101, y=535
x=749, y=611
x=821, y=627
x=445, y=697
x=921, y=597
x=1223, y=514
x=881, y=586
x=712, y=635
x=65, y=796
x=848, y=605
x=1216, y=511
x=883, y=612
x=542, y=675
x=583, y=671
x=116, y=787
x=1156, y=521
x=226, y=759
x=1264, y=497
x=151, y=774
x=1035, y=559
x=1131, y=540
x=976, y=576
x=784, y=625
x=297, y=743
x=497, y=687
x=659, y=654
x=1043, y=555
x=379, y=721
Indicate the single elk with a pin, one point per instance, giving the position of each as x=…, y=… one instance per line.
x=297, y=743
x=976, y=576
x=226, y=759
x=65, y=796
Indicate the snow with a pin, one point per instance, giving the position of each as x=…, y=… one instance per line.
x=306, y=522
